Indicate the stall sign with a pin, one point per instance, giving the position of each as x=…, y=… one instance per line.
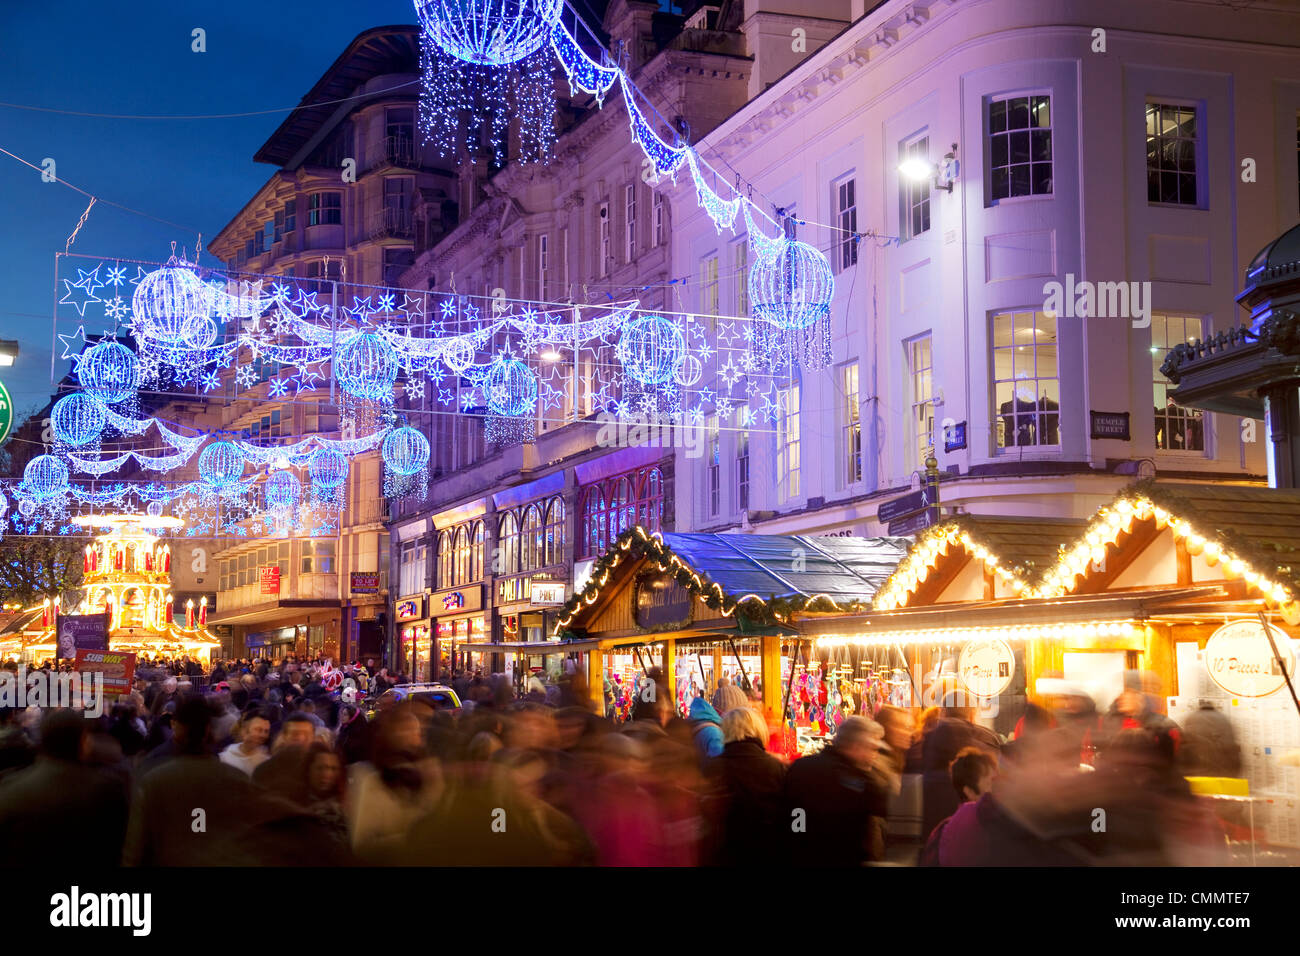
x=548, y=593
x=660, y=603
x=1240, y=659
x=365, y=582
x=82, y=630
x=986, y=666
x=270, y=575
x=410, y=609
x=118, y=670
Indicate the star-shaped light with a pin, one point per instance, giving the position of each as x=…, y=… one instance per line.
x=361, y=308
x=727, y=333
x=445, y=397
x=69, y=343
x=88, y=282
x=277, y=387
x=115, y=276
x=307, y=379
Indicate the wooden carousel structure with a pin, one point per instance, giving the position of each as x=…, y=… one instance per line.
x=127, y=575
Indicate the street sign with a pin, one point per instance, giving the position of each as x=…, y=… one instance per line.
x=913, y=523
x=918, y=500
x=6, y=413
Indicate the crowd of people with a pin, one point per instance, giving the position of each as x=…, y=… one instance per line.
x=271, y=763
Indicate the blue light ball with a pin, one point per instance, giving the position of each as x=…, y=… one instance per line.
x=405, y=450
x=490, y=32
x=791, y=286
x=366, y=367
x=651, y=348
x=77, y=419
x=328, y=468
x=45, y=478
x=510, y=388
x=109, y=372
x=283, y=490
x=221, y=465
x=170, y=304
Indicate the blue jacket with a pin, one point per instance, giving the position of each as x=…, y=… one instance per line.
x=707, y=728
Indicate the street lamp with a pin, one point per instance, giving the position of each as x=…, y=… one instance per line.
x=944, y=172
x=8, y=352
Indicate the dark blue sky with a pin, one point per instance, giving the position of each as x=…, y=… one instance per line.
x=135, y=58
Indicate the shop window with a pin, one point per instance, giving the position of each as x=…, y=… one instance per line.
x=531, y=542
x=476, y=552
x=554, y=532
x=619, y=503
x=507, y=544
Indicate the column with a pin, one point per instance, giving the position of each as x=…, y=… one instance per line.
x=770, y=672
x=670, y=669
x=596, y=679
x=1282, y=414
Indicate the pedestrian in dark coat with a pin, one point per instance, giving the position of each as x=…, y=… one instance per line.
x=745, y=807
x=954, y=732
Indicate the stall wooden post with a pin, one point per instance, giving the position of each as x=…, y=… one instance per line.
x=596, y=678
x=670, y=669
x=717, y=666
x=770, y=671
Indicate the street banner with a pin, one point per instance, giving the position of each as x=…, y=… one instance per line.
x=118, y=670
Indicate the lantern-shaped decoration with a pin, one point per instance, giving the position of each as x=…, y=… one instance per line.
x=510, y=388
x=221, y=465
x=171, y=305
x=167, y=559
x=328, y=468
x=45, y=478
x=366, y=367
x=405, y=451
x=791, y=286
x=77, y=419
x=108, y=371
x=189, y=613
x=651, y=348
x=489, y=32
x=283, y=491
x=203, y=610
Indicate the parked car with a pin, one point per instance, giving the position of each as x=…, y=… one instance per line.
x=439, y=696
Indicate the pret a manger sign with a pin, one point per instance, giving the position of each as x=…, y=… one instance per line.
x=1240, y=659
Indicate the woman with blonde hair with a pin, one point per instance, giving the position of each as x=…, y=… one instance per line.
x=744, y=805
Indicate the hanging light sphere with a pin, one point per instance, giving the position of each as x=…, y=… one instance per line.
x=366, y=367
x=510, y=388
x=108, y=371
x=405, y=450
x=328, y=468
x=154, y=509
x=77, y=419
x=221, y=465
x=490, y=32
x=283, y=490
x=459, y=355
x=202, y=333
x=689, y=371
x=45, y=478
x=170, y=303
x=27, y=507
x=791, y=286
x=650, y=349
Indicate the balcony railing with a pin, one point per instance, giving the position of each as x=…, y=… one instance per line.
x=390, y=222
x=395, y=151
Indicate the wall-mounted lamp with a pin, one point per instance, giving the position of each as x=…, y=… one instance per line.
x=944, y=172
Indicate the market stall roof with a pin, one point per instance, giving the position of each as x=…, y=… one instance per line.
x=13, y=623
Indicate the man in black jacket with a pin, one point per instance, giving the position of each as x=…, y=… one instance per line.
x=836, y=804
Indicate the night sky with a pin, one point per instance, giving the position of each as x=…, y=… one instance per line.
x=135, y=58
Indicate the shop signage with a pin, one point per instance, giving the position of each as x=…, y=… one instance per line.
x=986, y=666
x=365, y=582
x=1110, y=425
x=954, y=436
x=270, y=574
x=89, y=631
x=445, y=603
x=6, y=412
x=548, y=593
x=118, y=670
x=453, y=601
x=410, y=609
x=660, y=603
x=1240, y=659
x=913, y=523
x=918, y=500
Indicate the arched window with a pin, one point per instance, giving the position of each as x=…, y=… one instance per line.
x=650, y=505
x=622, y=508
x=508, y=543
x=593, y=522
x=530, y=551
x=461, y=547
x=555, y=531
x=476, y=552
x=445, y=571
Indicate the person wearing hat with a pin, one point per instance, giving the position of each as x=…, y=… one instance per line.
x=835, y=801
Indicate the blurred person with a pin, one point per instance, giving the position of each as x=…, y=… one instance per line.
x=840, y=802
x=249, y=750
x=900, y=731
x=728, y=696
x=924, y=725
x=745, y=803
x=618, y=812
x=388, y=794
x=706, y=728
x=282, y=773
x=16, y=750
x=1210, y=746
x=59, y=808
x=353, y=734
x=125, y=726
x=953, y=732
x=326, y=786
x=972, y=773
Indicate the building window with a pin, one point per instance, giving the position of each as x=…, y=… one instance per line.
x=532, y=545
x=846, y=217
x=476, y=552
x=629, y=222
x=616, y=504
x=461, y=549
x=709, y=304
x=268, y=233
x=914, y=194
x=317, y=557
x=603, y=247
x=740, y=262
x=787, y=443
x=660, y=209
x=321, y=273
x=742, y=459
x=1171, y=154
x=1020, y=146
x=1177, y=428
x=1027, y=392
x=554, y=532
x=715, y=467
x=325, y=209
x=508, y=544
x=290, y=215
x=257, y=248
x=543, y=265
x=397, y=261
x=920, y=365
x=446, y=565
x=850, y=425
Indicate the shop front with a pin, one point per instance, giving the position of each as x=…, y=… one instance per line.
x=457, y=616
x=414, y=638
